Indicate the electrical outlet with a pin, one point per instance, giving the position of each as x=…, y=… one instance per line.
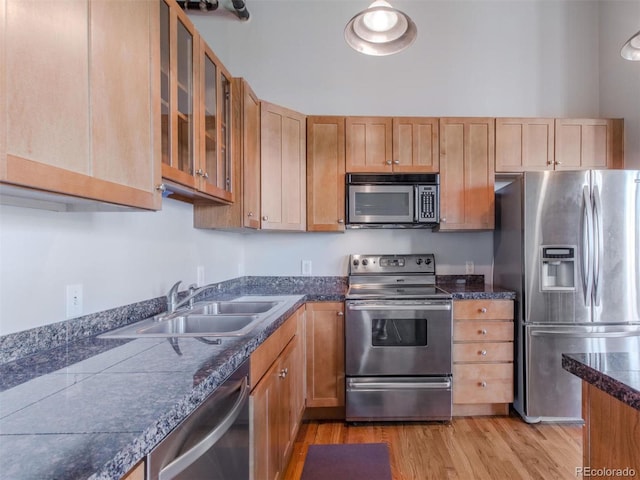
x=74, y=300
x=200, y=275
x=468, y=267
x=306, y=267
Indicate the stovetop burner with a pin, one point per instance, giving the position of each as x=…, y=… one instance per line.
x=407, y=276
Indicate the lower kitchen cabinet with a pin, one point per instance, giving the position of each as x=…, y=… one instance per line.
x=325, y=354
x=482, y=357
x=136, y=473
x=610, y=433
x=277, y=400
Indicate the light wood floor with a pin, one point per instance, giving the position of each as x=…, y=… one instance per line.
x=492, y=448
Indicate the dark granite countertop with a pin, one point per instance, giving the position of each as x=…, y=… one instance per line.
x=472, y=287
x=76, y=406
x=617, y=374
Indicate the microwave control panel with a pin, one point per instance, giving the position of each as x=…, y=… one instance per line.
x=427, y=199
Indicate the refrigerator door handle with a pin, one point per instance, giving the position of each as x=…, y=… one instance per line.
x=587, y=252
x=571, y=333
x=598, y=247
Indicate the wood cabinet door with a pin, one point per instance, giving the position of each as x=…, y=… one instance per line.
x=525, y=144
x=80, y=117
x=325, y=354
x=325, y=174
x=250, y=157
x=467, y=173
x=589, y=143
x=179, y=60
x=416, y=145
x=266, y=425
x=369, y=146
x=283, y=168
x=213, y=163
x=125, y=122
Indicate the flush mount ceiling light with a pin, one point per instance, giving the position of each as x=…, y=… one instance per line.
x=631, y=49
x=380, y=30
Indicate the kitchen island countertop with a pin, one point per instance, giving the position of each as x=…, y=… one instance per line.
x=615, y=373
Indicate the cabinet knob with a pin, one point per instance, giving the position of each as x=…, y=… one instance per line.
x=558, y=163
x=396, y=162
x=161, y=188
x=199, y=172
x=549, y=162
x=341, y=220
x=483, y=310
x=283, y=372
x=443, y=220
x=205, y=175
x=265, y=218
x=483, y=384
x=250, y=214
x=388, y=162
x=482, y=352
x=483, y=331
x=340, y=314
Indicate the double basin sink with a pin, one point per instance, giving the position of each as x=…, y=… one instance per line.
x=205, y=319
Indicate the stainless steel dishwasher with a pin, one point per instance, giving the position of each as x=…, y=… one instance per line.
x=213, y=442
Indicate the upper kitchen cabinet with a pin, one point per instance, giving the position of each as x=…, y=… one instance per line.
x=416, y=147
x=467, y=152
x=537, y=144
x=245, y=212
x=525, y=144
x=589, y=143
x=325, y=174
x=385, y=144
x=283, y=168
x=369, y=144
x=196, y=111
x=79, y=112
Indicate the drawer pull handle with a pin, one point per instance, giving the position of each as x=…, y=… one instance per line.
x=340, y=314
x=483, y=384
x=483, y=331
x=483, y=310
x=482, y=352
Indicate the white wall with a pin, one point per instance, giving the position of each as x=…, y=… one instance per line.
x=472, y=57
x=119, y=258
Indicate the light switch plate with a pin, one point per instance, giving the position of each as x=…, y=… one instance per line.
x=306, y=267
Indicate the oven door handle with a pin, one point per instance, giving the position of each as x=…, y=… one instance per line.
x=398, y=385
x=404, y=307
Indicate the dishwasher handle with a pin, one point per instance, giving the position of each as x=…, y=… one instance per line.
x=181, y=463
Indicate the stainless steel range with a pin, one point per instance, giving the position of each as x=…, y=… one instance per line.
x=398, y=331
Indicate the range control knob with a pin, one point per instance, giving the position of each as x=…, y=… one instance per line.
x=356, y=262
x=419, y=261
x=427, y=261
x=365, y=262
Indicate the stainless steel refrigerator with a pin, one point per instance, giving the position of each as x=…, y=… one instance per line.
x=568, y=243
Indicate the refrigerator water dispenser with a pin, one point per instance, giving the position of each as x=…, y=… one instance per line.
x=558, y=268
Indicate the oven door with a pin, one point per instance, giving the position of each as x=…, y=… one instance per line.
x=406, y=338
x=381, y=204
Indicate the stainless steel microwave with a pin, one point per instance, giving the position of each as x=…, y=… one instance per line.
x=393, y=200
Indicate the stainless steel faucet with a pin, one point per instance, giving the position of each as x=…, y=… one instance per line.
x=172, y=297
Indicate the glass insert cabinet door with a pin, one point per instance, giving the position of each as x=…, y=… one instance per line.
x=214, y=161
x=177, y=43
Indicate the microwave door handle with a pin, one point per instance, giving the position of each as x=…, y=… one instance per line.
x=178, y=465
x=416, y=204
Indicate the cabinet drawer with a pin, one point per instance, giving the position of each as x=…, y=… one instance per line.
x=481, y=331
x=483, y=309
x=483, y=383
x=483, y=352
x=267, y=353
